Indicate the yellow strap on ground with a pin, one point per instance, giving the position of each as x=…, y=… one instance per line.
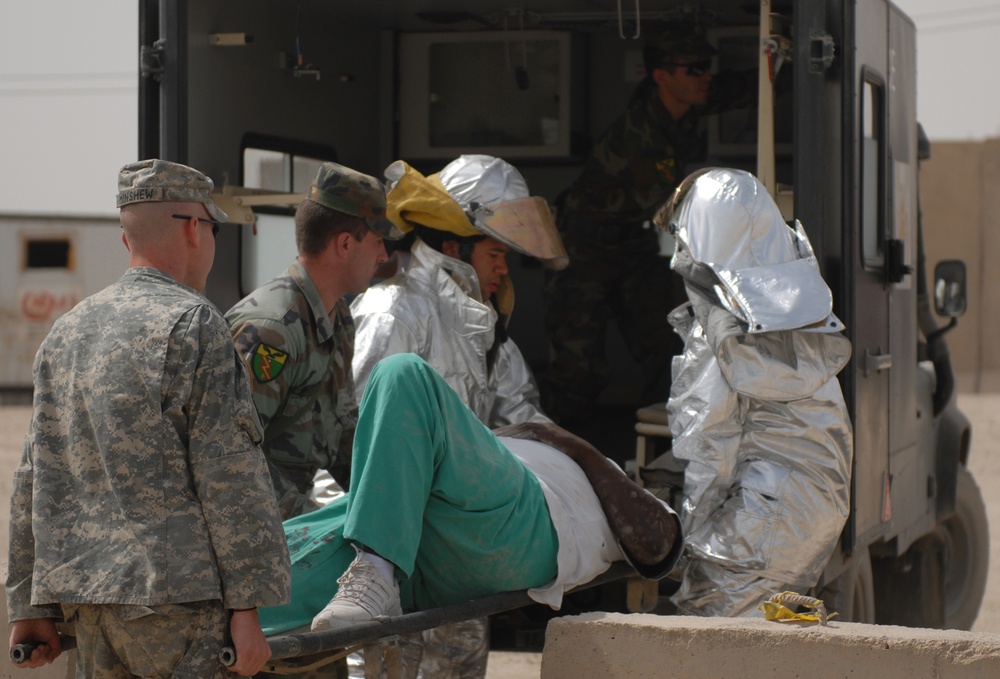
x=775, y=609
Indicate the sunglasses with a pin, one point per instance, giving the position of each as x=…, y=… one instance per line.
x=215, y=224
x=695, y=69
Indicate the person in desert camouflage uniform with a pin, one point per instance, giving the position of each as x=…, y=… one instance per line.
x=615, y=269
x=141, y=509
x=297, y=336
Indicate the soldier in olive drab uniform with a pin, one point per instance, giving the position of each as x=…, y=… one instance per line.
x=142, y=509
x=297, y=336
x=615, y=270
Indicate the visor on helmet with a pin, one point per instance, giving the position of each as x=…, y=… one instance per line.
x=524, y=225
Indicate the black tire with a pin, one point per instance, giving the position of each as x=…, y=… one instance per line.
x=966, y=536
x=909, y=589
x=852, y=594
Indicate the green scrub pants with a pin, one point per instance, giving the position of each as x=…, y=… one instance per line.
x=434, y=492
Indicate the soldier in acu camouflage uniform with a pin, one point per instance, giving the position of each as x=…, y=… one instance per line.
x=297, y=336
x=615, y=270
x=141, y=509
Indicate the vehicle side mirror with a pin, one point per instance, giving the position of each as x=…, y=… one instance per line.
x=950, y=294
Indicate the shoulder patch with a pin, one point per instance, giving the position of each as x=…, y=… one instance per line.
x=668, y=168
x=266, y=362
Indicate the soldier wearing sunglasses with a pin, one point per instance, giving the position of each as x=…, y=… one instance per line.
x=141, y=511
x=615, y=270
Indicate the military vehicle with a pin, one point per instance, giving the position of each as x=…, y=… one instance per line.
x=256, y=93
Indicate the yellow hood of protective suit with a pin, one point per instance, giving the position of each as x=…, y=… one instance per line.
x=416, y=199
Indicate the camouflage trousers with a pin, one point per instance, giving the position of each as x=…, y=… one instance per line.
x=457, y=650
x=120, y=641
x=615, y=274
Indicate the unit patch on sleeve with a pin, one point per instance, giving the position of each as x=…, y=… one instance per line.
x=668, y=168
x=266, y=363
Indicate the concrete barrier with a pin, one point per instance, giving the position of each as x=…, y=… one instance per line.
x=610, y=645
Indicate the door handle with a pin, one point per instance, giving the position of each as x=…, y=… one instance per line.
x=876, y=362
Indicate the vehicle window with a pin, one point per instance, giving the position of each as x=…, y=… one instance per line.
x=285, y=166
x=281, y=164
x=872, y=170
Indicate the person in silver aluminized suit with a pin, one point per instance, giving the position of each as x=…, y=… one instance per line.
x=452, y=303
x=450, y=306
x=755, y=409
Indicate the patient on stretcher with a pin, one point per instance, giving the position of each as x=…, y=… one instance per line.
x=442, y=510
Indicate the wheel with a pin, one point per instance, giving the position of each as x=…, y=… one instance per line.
x=966, y=555
x=852, y=594
x=909, y=588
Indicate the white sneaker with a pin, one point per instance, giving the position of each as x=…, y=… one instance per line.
x=363, y=595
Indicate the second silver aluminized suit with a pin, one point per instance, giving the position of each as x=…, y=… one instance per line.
x=433, y=309
x=755, y=409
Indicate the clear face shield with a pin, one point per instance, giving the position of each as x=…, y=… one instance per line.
x=525, y=225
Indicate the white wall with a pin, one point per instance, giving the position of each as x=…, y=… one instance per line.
x=68, y=104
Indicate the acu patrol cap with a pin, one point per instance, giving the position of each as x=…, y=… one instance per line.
x=681, y=40
x=161, y=181
x=351, y=192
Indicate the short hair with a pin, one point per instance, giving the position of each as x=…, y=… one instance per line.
x=316, y=225
x=653, y=57
x=436, y=238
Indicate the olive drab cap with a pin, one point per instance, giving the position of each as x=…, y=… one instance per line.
x=682, y=40
x=351, y=192
x=162, y=181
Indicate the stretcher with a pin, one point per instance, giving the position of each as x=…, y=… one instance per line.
x=295, y=652
x=302, y=651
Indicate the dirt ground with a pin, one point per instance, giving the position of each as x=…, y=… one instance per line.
x=982, y=409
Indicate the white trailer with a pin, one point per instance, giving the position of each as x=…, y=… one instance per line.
x=47, y=265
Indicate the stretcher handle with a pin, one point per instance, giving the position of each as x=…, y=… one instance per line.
x=20, y=653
